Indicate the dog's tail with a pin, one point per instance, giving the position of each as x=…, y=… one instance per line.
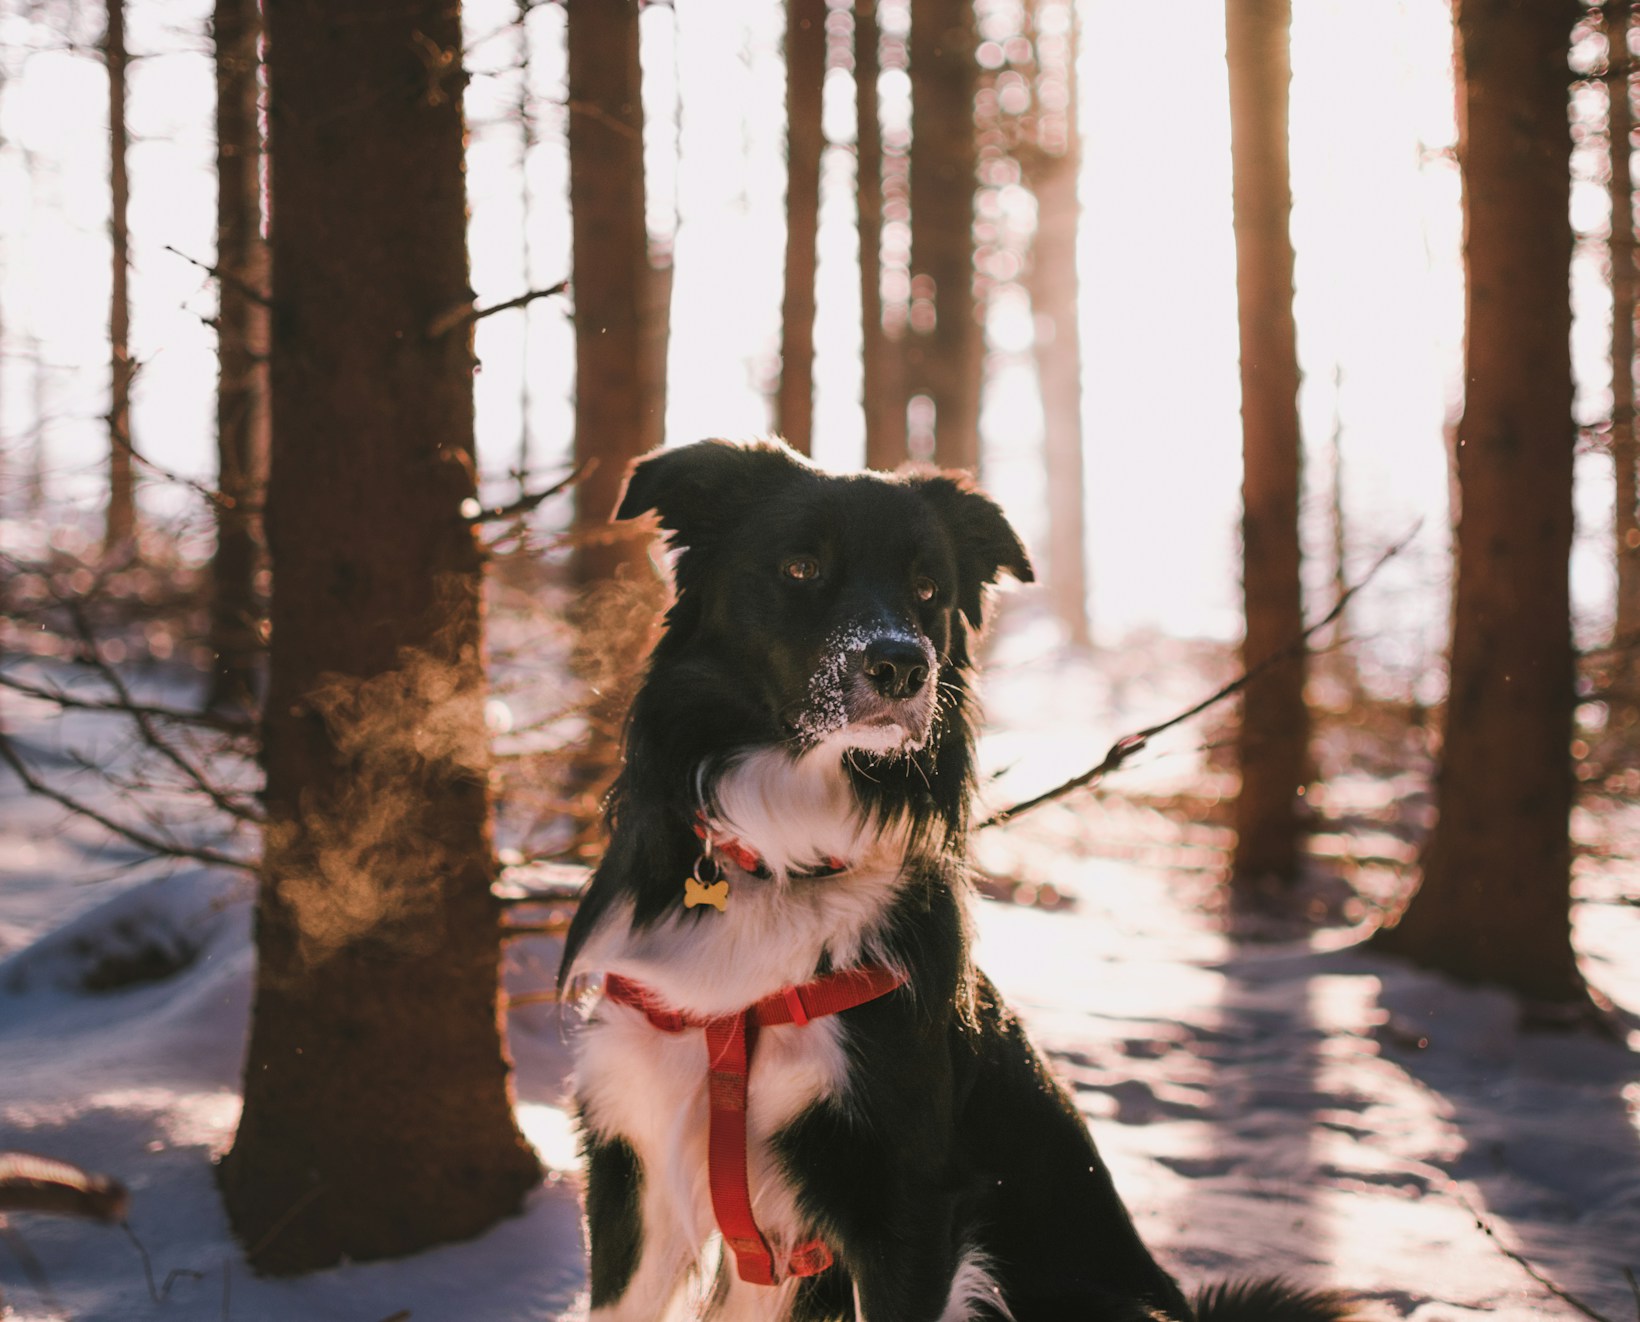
x=1272, y=1301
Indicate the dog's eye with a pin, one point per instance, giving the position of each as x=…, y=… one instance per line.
x=926, y=588
x=803, y=568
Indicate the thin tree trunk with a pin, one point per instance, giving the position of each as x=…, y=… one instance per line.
x=1495, y=900
x=611, y=275
x=884, y=416
x=120, y=527
x=945, y=350
x=241, y=404
x=378, y=1112
x=1625, y=451
x=805, y=141
x=1275, y=722
x=1052, y=164
x=526, y=231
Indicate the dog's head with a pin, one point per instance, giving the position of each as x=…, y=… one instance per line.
x=831, y=604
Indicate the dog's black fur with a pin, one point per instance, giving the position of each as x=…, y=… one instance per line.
x=952, y=1137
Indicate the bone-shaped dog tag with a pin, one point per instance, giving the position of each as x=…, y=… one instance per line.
x=696, y=892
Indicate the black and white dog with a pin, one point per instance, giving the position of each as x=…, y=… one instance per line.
x=799, y=1099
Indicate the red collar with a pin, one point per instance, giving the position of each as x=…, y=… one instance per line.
x=747, y=859
x=730, y=1039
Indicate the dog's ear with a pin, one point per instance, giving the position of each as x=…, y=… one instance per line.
x=701, y=488
x=986, y=542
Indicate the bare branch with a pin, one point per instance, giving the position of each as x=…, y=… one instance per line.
x=464, y=314
x=153, y=843
x=69, y=702
x=223, y=800
x=228, y=278
x=524, y=504
x=1128, y=745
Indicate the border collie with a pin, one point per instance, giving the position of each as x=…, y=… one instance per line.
x=799, y=1100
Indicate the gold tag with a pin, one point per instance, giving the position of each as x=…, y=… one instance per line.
x=696, y=892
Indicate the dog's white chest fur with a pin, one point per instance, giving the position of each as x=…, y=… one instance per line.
x=648, y=1087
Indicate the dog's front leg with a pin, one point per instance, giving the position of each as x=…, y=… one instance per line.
x=639, y=1257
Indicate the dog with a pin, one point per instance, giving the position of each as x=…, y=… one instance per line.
x=798, y=1098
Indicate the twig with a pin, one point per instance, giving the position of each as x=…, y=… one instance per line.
x=152, y=843
x=32, y=1267
x=160, y=1293
x=464, y=314
x=238, y=283
x=210, y=495
x=525, y=503
x=1128, y=745
x=1523, y=1264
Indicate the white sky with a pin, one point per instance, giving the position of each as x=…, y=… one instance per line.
x=1376, y=225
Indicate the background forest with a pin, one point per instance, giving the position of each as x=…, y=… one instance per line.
x=1285, y=331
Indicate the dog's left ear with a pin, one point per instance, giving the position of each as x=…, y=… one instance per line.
x=986, y=543
x=700, y=489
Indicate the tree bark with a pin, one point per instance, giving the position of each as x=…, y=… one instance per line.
x=1495, y=900
x=1625, y=450
x=945, y=349
x=884, y=411
x=1274, y=739
x=120, y=527
x=613, y=412
x=1052, y=164
x=242, y=337
x=378, y=1110
x=805, y=141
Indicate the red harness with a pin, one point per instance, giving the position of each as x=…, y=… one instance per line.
x=730, y=1039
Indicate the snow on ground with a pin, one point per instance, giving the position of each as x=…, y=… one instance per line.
x=1293, y=1107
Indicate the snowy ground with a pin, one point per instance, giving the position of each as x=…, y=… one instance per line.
x=1290, y=1107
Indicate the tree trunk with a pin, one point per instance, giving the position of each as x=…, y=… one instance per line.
x=120, y=528
x=945, y=350
x=611, y=275
x=1625, y=451
x=1495, y=904
x=1275, y=722
x=242, y=337
x=378, y=1110
x=524, y=109
x=884, y=413
x=805, y=141
x=1052, y=164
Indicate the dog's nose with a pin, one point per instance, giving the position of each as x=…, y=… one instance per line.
x=896, y=667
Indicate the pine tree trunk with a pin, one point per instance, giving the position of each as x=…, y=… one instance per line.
x=1625, y=451
x=805, y=141
x=884, y=413
x=241, y=401
x=120, y=528
x=1275, y=722
x=378, y=1116
x=1051, y=169
x=611, y=275
x=1494, y=904
x=945, y=348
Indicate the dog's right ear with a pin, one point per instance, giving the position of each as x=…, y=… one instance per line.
x=698, y=490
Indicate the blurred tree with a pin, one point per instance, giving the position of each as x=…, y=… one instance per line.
x=1051, y=160
x=613, y=422
x=1275, y=725
x=1625, y=452
x=524, y=109
x=378, y=1112
x=241, y=336
x=1495, y=900
x=620, y=313
x=120, y=526
x=946, y=347
x=883, y=404
x=805, y=141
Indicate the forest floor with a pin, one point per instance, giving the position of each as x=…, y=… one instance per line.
x=1288, y=1104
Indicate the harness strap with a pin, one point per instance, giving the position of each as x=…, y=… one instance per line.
x=730, y=1041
